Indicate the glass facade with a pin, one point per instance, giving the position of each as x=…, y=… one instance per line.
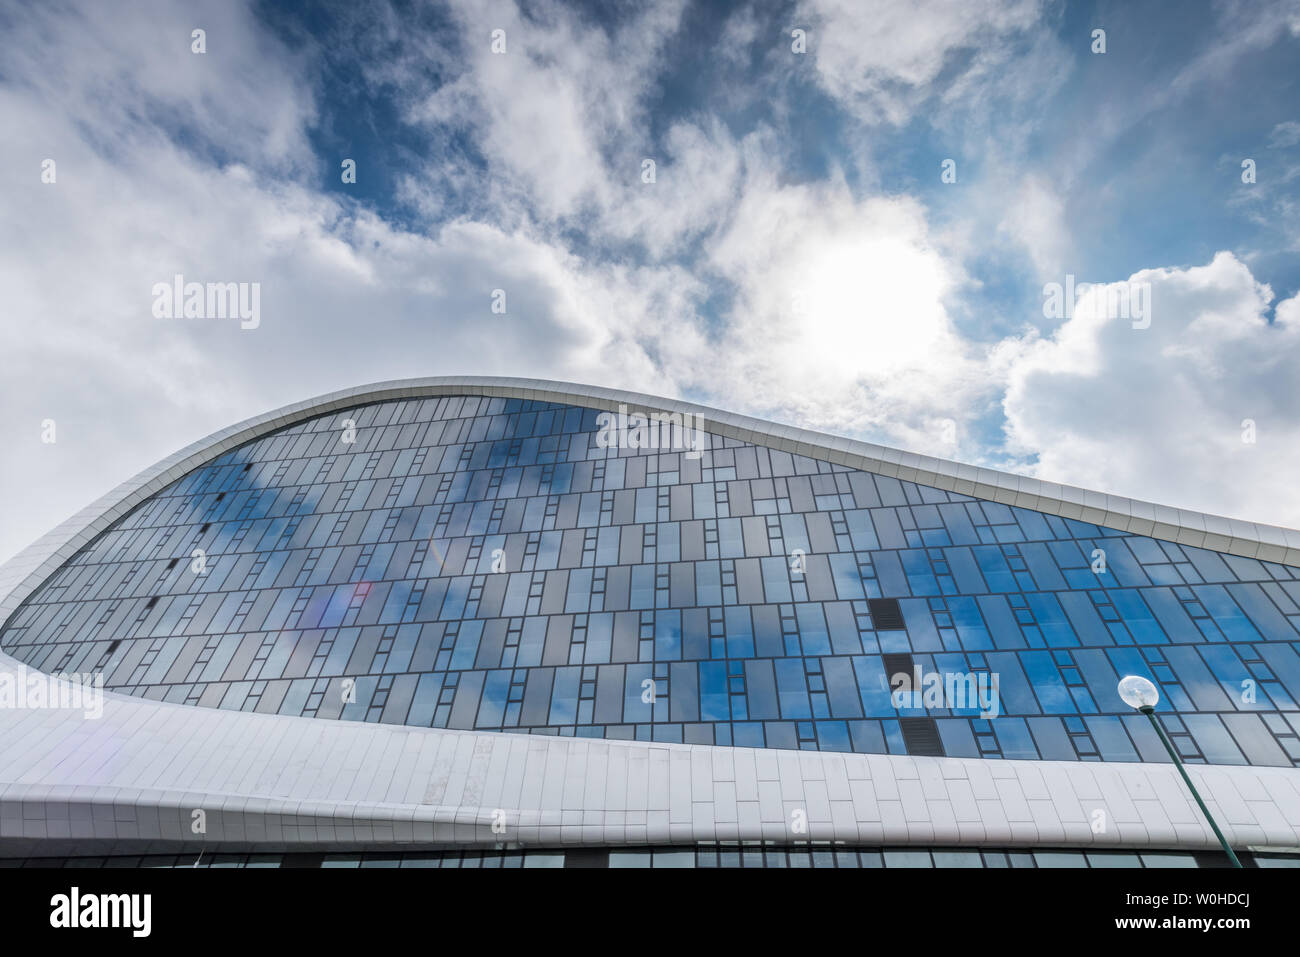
x=484, y=563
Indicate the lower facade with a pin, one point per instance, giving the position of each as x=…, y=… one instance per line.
x=707, y=856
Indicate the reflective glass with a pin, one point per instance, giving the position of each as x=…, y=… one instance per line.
x=487, y=563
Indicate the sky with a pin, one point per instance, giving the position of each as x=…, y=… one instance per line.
x=845, y=215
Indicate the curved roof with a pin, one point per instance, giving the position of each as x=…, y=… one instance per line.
x=131, y=778
x=21, y=575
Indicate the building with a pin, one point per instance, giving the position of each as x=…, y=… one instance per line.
x=502, y=621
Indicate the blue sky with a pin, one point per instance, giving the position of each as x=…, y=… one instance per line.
x=797, y=255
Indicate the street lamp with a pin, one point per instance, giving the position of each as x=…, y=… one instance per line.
x=1137, y=692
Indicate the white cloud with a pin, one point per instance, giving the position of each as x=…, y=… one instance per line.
x=546, y=111
x=1284, y=135
x=1157, y=413
x=882, y=58
x=127, y=73
x=1034, y=218
x=696, y=186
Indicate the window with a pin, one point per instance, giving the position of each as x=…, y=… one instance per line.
x=885, y=614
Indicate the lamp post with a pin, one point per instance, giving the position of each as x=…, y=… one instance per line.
x=1137, y=692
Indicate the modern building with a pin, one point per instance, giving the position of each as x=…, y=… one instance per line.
x=490, y=621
